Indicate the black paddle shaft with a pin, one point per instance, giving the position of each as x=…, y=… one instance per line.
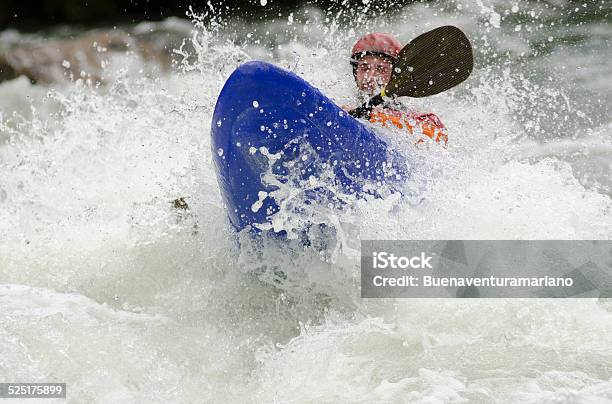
x=431, y=63
x=365, y=109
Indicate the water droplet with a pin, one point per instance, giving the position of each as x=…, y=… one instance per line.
x=220, y=152
x=255, y=104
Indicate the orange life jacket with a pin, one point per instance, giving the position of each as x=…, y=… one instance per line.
x=429, y=123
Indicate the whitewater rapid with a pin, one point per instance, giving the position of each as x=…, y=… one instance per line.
x=106, y=286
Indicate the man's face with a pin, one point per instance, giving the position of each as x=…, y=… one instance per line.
x=373, y=73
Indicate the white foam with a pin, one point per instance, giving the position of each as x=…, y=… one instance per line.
x=128, y=299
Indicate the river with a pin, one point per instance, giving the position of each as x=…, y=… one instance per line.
x=107, y=286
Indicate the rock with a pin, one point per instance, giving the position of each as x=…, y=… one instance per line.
x=85, y=56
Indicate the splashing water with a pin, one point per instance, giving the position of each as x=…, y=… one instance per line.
x=107, y=286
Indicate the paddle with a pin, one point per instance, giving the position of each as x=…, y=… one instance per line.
x=433, y=62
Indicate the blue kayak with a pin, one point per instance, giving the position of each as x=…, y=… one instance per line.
x=270, y=128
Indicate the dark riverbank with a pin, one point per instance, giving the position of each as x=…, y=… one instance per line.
x=41, y=14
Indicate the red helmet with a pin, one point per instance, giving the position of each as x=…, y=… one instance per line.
x=376, y=43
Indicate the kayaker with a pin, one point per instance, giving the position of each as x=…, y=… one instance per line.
x=372, y=59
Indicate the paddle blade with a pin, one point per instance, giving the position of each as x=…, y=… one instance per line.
x=431, y=63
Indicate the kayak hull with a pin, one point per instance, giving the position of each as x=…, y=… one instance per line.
x=270, y=128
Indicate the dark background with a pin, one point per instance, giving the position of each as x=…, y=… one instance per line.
x=34, y=15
